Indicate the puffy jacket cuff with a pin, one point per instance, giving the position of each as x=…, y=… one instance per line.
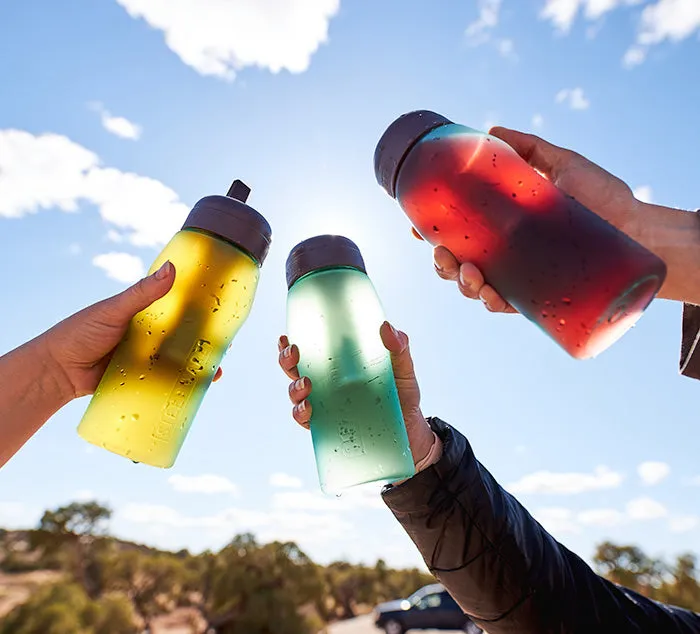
x=690, y=343
x=416, y=492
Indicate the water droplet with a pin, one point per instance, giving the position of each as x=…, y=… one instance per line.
x=545, y=313
x=122, y=383
x=566, y=300
x=142, y=377
x=134, y=417
x=562, y=322
x=435, y=229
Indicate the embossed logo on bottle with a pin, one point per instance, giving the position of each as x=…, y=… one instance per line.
x=350, y=439
x=182, y=392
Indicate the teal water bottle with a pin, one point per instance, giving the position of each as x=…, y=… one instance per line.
x=334, y=316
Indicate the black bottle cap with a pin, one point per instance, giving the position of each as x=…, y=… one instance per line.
x=322, y=252
x=398, y=139
x=230, y=218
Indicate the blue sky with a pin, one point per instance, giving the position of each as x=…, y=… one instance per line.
x=117, y=116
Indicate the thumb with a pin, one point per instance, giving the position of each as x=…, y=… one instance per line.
x=396, y=342
x=142, y=294
x=542, y=155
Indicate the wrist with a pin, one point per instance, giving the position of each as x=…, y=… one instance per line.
x=420, y=436
x=53, y=377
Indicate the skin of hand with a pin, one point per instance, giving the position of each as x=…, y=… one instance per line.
x=420, y=436
x=81, y=346
x=594, y=187
x=68, y=361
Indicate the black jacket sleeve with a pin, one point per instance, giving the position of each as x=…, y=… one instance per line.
x=690, y=343
x=505, y=571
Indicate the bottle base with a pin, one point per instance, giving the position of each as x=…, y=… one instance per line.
x=621, y=315
x=338, y=488
x=136, y=456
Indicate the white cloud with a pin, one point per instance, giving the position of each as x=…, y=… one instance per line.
x=634, y=56
x=208, y=483
x=643, y=193
x=601, y=517
x=567, y=483
x=304, y=528
x=652, y=472
x=683, y=523
x=119, y=126
x=83, y=495
x=478, y=31
x=672, y=20
x=537, y=121
x=122, y=267
x=562, y=13
x=506, y=48
x=285, y=481
x=645, y=508
x=220, y=38
x=574, y=98
x=114, y=236
x=51, y=171
x=557, y=520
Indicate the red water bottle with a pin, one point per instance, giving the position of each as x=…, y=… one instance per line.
x=581, y=280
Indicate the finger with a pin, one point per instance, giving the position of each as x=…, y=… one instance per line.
x=299, y=390
x=142, y=294
x=446, y=264
x=470, y=281
x=289, y=359
x=493, y=301
x=542, y=155
x=415, y=233
x=396, y=342
x=218, y=375
x=302, y=413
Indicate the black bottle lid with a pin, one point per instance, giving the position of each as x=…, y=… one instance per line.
x=322, y=252
x=230, y=218
x=397, y=140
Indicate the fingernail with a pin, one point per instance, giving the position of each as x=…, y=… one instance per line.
x=300, y=384
x=463, y=280
x=301, y=408
x=287, y=352
x=163, y=271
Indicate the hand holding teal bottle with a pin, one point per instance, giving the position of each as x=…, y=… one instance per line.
x=334, y=316
x=396, y=343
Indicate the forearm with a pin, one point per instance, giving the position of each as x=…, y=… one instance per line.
x=674, y=235
x=501, y=566
x=32, y=390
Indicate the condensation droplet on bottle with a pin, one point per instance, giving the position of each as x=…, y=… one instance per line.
x=142, y=377
x=566, y=300
x=134, y=417
x=545, y=313
x=562, y=322
x=436, y=229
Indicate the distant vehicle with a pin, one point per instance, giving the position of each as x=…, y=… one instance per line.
x=430, y=608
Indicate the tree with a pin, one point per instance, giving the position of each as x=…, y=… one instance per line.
x=249, y=588
x=66, y=609
x=68, y=539
x=153, y=582
x=630, y=567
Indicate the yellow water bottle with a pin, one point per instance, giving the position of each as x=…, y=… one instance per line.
x=162, y=368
